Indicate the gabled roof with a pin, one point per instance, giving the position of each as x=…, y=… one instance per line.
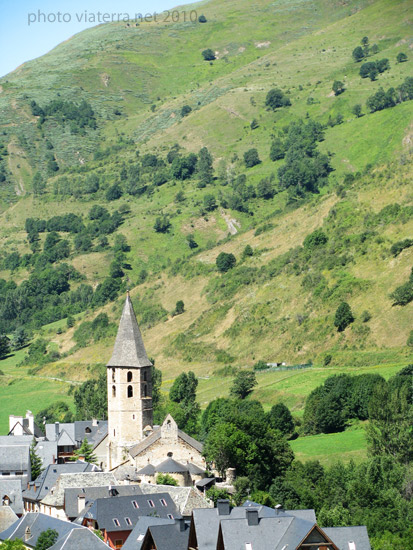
x=13, y=489
x=129, y=350
x=166, y=537
x=156, y=435
x=171, y=466
x=341, y=536
x=81, y=479
x=7, y=517
x=39, y=488
x=93, y=430
x=14, y=458
x=37, y=523
x=186, y=499
x=136, y=537
x=90, y=494
x=65, y=440
x=79, y=538
x=106, y=510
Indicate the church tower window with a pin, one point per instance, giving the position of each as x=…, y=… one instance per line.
x=129, y=376
x=130, y=391
x=113, y=391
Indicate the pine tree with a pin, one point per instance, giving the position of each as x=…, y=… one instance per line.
x=35, y=461
x=86, y=451
x=4, y=346
x=204, y=167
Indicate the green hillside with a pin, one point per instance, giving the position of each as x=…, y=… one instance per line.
x=99, y=121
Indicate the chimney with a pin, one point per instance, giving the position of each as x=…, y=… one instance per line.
x=279, y=508
x=351, y=545
x=95, y=422
x=30, y=418
x=252, y=516
x=56, y=430
x=223, y=507
x=80, y=503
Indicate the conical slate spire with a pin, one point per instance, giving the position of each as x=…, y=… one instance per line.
x=129, y=350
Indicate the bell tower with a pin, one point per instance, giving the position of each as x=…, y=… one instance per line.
x=129, y=377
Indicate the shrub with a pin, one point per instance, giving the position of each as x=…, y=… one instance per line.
x=186, y=109
x=260, y=365
x=202, y=19
x=113, y=193
x=343, y=317
x=208, y=55
x=399, y=246
x=162, y=225
x=401, y=57
x=410, y=339
x=315, y=239
x=225, y=262
x=338, y=87
x=277, y=150
x=327, y=359
x=251, y=158
x=248, y=251
x=210, y=203
x=365, y=316
x=358, y=54
x=276, y=98
x=357, y=110
x=166, y=479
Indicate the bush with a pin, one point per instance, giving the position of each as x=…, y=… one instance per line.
x=166, y=479
x=277, y=150
x=248, y=251
x=365, y=316
x=208, y=55
x=410, y=339
x=202, y=19
x=162, y=225
x=225, y=262
x=358, y=54
x=343, y=317
x=401, y=57
x=186, y=109
x=338, y=87
x=114, y=193
x=251, y=158
x=315, y=239
x=276, y=98
x=260, y=365
x=399, y=246
x=357, y=110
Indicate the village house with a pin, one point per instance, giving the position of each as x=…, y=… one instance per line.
x=11, y=495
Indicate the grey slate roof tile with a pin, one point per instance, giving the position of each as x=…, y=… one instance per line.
x=78, y=539
x=166, y=537
x=81, y=479
x=12, y=488
x=341, y=536
x=90, y=494
x=14, y=458
x=7, y=517
x=136, y=537
x=186, y=499
x=129, y=350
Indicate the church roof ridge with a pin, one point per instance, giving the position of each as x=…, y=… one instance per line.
x=129, y=350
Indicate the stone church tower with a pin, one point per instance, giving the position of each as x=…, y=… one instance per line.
x=129, y=378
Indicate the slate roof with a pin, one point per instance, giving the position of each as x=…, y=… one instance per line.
x=78, y=430
x=65, y=440
x=82, y=479
x=156, y=435
x=47, y=452
x=186, y=499
x=266, y=511
x=7, y=517
x=15, y=458
x=15, y=440
x=90, y=494
x=105, y=510
x=37, y=523
x=341, y=536
x=77, y=539
x=171, y=466
x=136, y=537
x=166, y=537
x=39, y=488
x=129, y=350
x=13, y=489
x=193, y=469
x=148, y=470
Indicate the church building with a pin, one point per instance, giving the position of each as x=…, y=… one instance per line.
x=132, y=439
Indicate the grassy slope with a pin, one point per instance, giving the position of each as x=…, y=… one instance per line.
x=310, y=46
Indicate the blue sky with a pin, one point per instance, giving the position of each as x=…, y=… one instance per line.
x=25, y=35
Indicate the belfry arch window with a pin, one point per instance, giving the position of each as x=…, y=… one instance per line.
x=113, y=391
x=130, y=391
x=144, y=375
x=129, y=376
x=113, y=375
x=145, y=390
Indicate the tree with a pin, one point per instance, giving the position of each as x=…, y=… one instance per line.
x=204, y=167
x=91, y=399
x=357, y=110
x=358, y=54
x=225, y=261
x=186, y=109
x=20, y=338
x=35, y=461
x=166, y=479
x=343, y=316
x=114, y=192
x=277, y=150
x=179, y=308
x=265, y=189
x=401, y=57
x=4, y=346
x=191, y=241
x=210, y=203
x=208, y=55
x=276, y=98
x=383, y=65
x=183, y=389
x=38, y=185
x=247, y=252
x=59, y=411
x=202, y=19
x=280, y=418
x=243, y=384
x=338, y=87
x=315, y=239
x=251, y=158
x=15, y=544
x=46, y=539
x=226, y=446
x=162, y=225
x=85, y=451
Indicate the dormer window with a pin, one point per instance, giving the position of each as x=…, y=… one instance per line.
x=128, y=521
x=151, y=503
x=163, y=502
x=135, y=504
x=88, y=430
x=116, y=522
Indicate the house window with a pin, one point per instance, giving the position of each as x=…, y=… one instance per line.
x=135, y=504
x=130, y=391
x=129, y=376
x=19, y=473
x=170, y=516
x=113, y=391
x=163, y=502
x=118, y=544
x=128, y=521
x=116, y=522
x=151, y=503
